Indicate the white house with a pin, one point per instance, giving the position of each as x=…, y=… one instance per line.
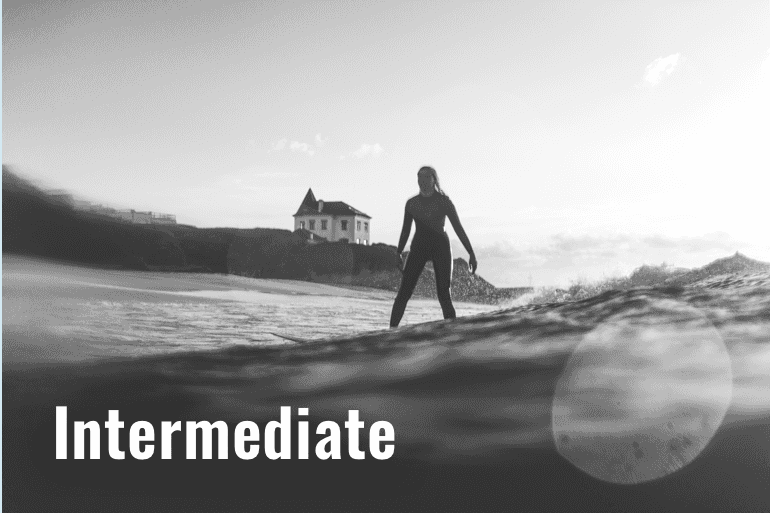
x=332, y=220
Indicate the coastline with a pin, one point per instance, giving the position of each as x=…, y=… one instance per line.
x=162, y=281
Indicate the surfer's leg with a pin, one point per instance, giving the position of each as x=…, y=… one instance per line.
x=442, y=265
x=414, y=265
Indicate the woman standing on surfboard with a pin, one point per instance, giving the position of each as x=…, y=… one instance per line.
x=428, y=210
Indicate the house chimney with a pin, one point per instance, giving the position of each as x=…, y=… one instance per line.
x=320, y=205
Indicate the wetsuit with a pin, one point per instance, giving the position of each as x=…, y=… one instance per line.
x=430, y=242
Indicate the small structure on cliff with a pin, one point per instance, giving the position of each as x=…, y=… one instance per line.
x=332, y=221
x=136, y=217
x=129, y=215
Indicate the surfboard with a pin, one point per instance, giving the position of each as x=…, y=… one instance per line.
x=298, y=340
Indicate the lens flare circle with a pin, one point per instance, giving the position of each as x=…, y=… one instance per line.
x=642, y=395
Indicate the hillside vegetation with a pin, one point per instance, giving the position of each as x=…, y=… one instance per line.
x=36, y=224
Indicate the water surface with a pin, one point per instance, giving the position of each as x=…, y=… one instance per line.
x=93, y=313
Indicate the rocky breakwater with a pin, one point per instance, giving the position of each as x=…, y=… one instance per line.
x=465, y=286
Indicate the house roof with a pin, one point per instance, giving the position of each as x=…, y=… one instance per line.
x=310, y=206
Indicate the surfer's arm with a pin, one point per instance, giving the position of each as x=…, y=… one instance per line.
x=451, y=213
x=405, y=230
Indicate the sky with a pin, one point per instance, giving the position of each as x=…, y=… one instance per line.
x=578, y=140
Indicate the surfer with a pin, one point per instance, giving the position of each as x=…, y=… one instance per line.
x=428, y=210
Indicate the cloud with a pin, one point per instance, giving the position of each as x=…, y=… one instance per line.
x=293, y=146
x=625, y=246
x=274, y=174
x=319, y=142
x=712, y=241
x=563, y=258
x=375, y=150
x=659, y=69
x=591, y=246
x=302, y=147
x=278, y=145
x=500, y=249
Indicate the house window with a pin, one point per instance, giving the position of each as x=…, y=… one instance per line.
x=323, y=224
x=358, y=225
x=366, y=226
x=358, y=241
x=312, y=224
x=344, y=225
x=302, y=225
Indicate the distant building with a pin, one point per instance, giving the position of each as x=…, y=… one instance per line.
x=148, y=217
x=158, y=218
x=332, y=221
x=129, y=215
x=95, y=209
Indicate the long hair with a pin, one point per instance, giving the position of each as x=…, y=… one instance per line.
x=436, y=184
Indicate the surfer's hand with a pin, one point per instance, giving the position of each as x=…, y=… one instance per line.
x=472, y=264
